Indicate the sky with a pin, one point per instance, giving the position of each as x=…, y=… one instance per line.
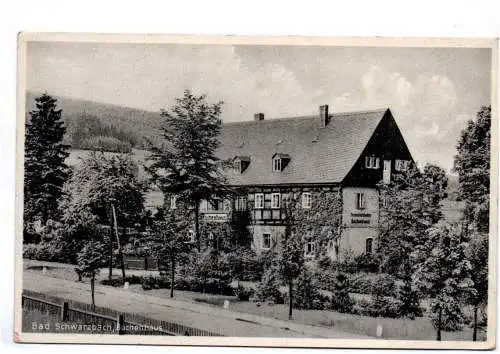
x=432, y=92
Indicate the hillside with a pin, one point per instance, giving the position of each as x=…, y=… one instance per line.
x=92, y=123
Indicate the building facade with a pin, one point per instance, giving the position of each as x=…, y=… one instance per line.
x=346, y=153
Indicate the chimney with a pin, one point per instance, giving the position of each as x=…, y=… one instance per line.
x=323, y=113
x=258, y=116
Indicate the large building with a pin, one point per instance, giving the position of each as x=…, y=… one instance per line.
x=348, y=153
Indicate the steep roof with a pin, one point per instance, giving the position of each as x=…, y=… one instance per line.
x=318, y=153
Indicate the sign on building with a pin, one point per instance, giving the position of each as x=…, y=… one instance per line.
x=215, y=217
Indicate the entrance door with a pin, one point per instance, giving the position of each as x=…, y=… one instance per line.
x=387, y=171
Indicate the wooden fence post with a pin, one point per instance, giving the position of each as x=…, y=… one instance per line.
x=64, y=311
x=120, y=323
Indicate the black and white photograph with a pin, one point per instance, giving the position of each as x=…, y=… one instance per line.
x=306, y=192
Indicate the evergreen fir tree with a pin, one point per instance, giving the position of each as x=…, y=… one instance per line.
x=409, y=300
x=45, y=171
x=306, y=294
x=341, y=299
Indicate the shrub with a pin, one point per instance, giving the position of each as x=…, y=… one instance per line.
x=306, y=295
x=243, y=293
x=323, y=278
x=244, y=264
x=50, y=251
x=30, y=235
x=366, y=263
x=188, y=283
x=266, y=259
x=148, y=283
x=217, y=286
x=152, y=282
x=378, y=307
x=324, y=263
x=361, y=285
x=341, y=301
x=269, y=287
x=117, y=281
x=382, y=283
x=30, y=251
x=212, y=265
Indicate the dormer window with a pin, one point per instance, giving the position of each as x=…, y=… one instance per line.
x=372, y=162
x=237, y=166
x=277, y=165
x=240, y=163
x=280, y=161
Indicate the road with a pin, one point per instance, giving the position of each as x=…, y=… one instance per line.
x=228, y=322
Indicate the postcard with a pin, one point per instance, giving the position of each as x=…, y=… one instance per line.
x=257, y=191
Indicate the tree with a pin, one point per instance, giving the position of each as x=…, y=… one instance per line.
x=443, y=273
x=411, y=205
x=291, y=256
x=103, y=190
x=477, y=254
x=45, y=171
x=168, y=242
x=90, y=260
x=341, y=299
x=185, y=164
x=472, y=164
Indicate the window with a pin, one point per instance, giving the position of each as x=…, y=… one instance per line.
x=218, y=205
x=385, y=202
x=266, y=241
x=275, y=200
x=309, y=249
x=259, y=201
x=240, y=203
x=237, y=166
x=306, y=200
x=191, y=236
x=369, y=245
x=173, y=202
x=372, y=162
x=360, y=201
x=401, y=165
x=277, y=165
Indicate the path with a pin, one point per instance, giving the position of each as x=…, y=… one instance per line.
x=228, y=322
